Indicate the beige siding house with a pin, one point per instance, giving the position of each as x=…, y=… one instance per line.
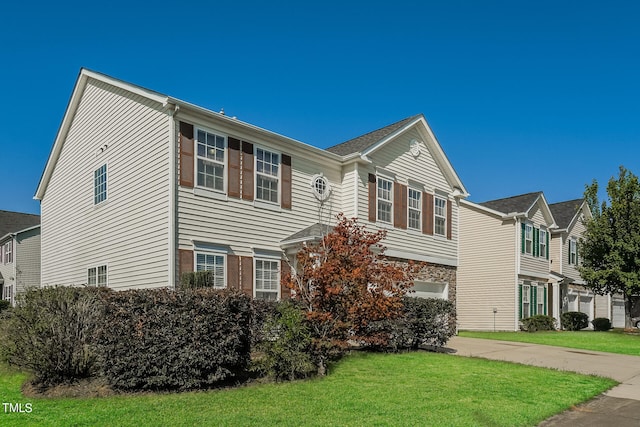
x=504, y=269
x=19, y=253
x=141, y=187
x=570, y=293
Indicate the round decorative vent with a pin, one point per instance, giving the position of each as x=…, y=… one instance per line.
x=321, y=187
x=414, y=147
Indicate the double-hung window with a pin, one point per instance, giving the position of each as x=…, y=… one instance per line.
x=528, y=239
x=8, y=252
x=573, y=251
x=440, y=216
x=540, y=299
x=526, y=304
x=415, y=209
x=267, y=280
x=213, y=263
x=385, y=199
x=100, y=184
x=97, y=276
x=210, y=158
x=543, y=243
x=267, y=175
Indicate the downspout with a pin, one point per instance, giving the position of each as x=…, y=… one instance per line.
x=172, y=196
x=516, y=224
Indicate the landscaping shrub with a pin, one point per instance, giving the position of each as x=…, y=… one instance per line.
x=424, y=322
x=50, y=332
x=574, y=320
x=261, y=312
x=539, y=322
x=158, y=339
x=285, y=352
x=601, y=324
x=4, y=305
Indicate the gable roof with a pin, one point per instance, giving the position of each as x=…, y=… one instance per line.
x=565, y=212
x=314, y=232
x=11, y=222
x=361, y=143
x=518, y=204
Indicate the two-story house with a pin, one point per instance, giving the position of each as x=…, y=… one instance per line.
x=504, y=268
x=570, y=293
x=19, y=253
x=141, y=187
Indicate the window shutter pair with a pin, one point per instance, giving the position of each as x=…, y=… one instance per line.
x=240, y=273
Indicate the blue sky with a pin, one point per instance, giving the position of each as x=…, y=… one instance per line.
x=522, y=95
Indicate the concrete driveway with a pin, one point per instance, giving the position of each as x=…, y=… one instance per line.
x=618, y=407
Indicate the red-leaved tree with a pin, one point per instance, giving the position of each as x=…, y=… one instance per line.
x=344, y=282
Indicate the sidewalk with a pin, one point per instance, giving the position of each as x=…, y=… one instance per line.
x=618, y=407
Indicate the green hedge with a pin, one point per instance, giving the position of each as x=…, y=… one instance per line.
x=601, y=324
x=574, y=320
x=539, y=322
x=160, y=339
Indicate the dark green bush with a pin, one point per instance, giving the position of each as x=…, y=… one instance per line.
x=197, y=279
x=425, y=322
x=601, y=324
x=158, y=339
x=50, y=332
x=261, y=312
x=539, y=322
x=574, y=320
x=4, y=305
x=285, y=352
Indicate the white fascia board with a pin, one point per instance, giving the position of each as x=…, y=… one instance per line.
x=434, y=146
x=501, y=215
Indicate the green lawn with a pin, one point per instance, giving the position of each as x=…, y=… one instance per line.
x=614, y=341
x=364, y=389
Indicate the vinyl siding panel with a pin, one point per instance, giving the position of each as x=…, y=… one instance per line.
x=486, y=274
x=27, y=259
x=419, y=172
x=575, y=231
x=242, y=224
x=350, y=185
x=129, y=231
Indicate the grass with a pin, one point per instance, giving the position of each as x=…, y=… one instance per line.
x=614, y=341
x=364, y=389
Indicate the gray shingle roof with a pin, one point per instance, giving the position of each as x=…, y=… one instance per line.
x=361, y=143
x=10, y=222
x=564, y=212
x=520, y=203
x=315, y=231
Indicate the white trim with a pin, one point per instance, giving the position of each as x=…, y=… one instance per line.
x=211, y=194
x=215, y=254
x=435, y=216
x=356, y=190
x=269, y=254
x=96, y=266
x=417, y=189
x=201, y=246
x=257, y=147
x=224, y=163
x=172, y=204
x=278, y=279
x=390, y=201
x=104, y=164
x=396, y=253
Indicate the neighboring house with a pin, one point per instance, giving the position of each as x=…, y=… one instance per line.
x=504, y=270
x=19, y=253
x=141, y=187
x=570, y=292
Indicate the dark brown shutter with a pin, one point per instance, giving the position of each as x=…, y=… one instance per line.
x=186, y=154
x=246, y=279
x=372, y=198
x=185, y=257
x=247, y=170
x=234, y=167
x=549, y=298
x=449, y=222
x=286, y=182
x=399, y=205
x=233, y=272
x=427, y=213
x=285, y=270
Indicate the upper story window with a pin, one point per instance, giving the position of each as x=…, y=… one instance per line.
x=267, y=280
x=415, y=209
x=385, y=199
x=7, y=252
x=542, y=244
x=100, y=184
x=440, y=216
x=528, y=239
x=573, y=252
x=97, y=276
x=210, y=159
x=213, y=263
x=267, y=175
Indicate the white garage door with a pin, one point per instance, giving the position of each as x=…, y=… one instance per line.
x=617, y=310
x=430, y=290
x=586, y=306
